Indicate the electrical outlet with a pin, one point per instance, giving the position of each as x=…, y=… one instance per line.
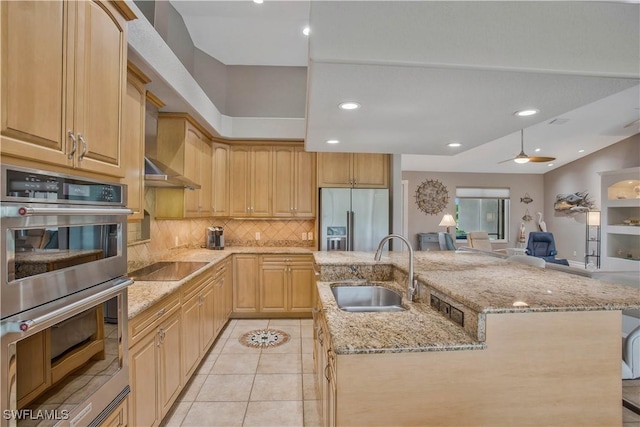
x=175, y=241
x=304, y=236
x=257, y=235
x=310, y=235
x=575, y=253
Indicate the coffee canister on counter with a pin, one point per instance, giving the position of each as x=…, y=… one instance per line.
x=214, y=238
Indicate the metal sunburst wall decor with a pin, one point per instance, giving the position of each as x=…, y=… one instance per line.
x=432, y=197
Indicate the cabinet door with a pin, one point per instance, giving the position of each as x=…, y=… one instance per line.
x=228, y=290
x=284, y=181
x=170, y=362
x=143, y=374
x=240, y=177
x=245, y=283
x=192, y=153
x=301, y=297
x=34, y=367
x=190, y=335
x=133, y=147
x=370, y=170
x=33, y=77
x=207, y=318
x=334, y=170
x=273, y=287
x=218, y=304
x=305, y=184
x=100, y=82
x=261, y=181
x=220, y=180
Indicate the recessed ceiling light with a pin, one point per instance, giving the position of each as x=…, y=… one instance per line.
x=537, y=150
x=550, y=164
x=525, y=113
x=580, y=151
x=332, y=141
x=306, y=30
x=454, y=144
x=258, y=1
x=349, y=105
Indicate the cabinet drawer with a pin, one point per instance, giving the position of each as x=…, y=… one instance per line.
x=117, y=418
x=193, y=286
x=149, y=319
x=219, y=270
x=286, y=258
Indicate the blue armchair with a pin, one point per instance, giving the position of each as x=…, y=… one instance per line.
x=542, y=245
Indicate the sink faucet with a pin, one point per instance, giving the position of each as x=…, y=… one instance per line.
x=412, y=288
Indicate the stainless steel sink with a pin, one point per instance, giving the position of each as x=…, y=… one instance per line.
x=167, y=271
x=367, y=298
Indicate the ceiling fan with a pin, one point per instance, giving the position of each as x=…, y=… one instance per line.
x=524, y=158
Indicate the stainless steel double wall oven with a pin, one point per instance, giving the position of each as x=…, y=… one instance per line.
x=63, y=298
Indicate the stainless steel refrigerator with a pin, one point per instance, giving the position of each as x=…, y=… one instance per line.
x=353, y=219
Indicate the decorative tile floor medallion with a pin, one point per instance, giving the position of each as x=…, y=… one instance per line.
x=264, y=338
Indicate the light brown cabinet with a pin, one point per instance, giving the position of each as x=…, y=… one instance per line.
x=185, y=147
x=155, y=359
x=118, y=417
x=286, y=283
x=134, y=108
x=198, y=324
x=325, y=369
x=357, y=170
x=64, y=79
x=220, y=180
x=245, y=283
x=294, y=184
x=250, y=186
x=222, y=290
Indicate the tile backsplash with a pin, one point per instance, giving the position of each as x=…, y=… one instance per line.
x=170, y=235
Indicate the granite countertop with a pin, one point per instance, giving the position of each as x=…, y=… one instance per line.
x=492, y=285
x=144, y=294
x=417, y=329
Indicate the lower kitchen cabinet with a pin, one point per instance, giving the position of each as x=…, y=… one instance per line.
x=325, y=369
x=245, y=283
x=198, y=324
x=222, y=295
x=118, y=417
x=286, y=283
x=155, y=357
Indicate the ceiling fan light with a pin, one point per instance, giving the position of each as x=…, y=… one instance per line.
x=521, y=159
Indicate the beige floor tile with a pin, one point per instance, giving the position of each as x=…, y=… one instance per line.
x=251, y=323
x=291, y=346
x=306, y=322
x=309, y=390
x=274, y=414
x=307, y=345
x=225, y=388
x=306, y=331
x=228, y=328
x=277, y=387
x=192, y=388
x=176, y=415
x=308, y=364
x=207, y=363
x=628, y=416
x=292, y=330
x=233, y=346
x=284, y=322
x=218, y=345
x=271, y=363
x=312, y=416
x=236, y=364
x=227, y=414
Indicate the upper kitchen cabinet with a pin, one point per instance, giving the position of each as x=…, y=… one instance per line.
x=250, y=176
x=357, y=170
x=294, y=183
x=185, y=147
x=63, y=75
x=220, y=195
x=134, y=108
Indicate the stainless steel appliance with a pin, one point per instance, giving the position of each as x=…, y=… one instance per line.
x=214, y=238
x=63, y=354
x=353, y=219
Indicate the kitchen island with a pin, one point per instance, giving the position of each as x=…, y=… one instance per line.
x=537, y=346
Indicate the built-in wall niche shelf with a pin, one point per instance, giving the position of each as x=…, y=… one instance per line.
x=620, y=232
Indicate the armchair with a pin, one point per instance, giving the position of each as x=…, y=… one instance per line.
x=480, y=240
x=541, y=244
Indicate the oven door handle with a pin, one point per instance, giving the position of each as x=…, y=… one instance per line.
x=25, y=325
x=29, y=211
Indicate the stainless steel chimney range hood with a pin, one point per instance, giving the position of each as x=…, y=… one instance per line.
x=157, y=174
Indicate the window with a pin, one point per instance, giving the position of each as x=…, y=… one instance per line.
x=482, y=209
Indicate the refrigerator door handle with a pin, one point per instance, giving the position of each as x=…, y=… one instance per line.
x=350, y=230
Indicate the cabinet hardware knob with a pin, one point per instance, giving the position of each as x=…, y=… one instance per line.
x=74, y=147
x=84, y=147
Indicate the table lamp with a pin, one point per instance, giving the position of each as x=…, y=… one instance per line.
x=447, y=221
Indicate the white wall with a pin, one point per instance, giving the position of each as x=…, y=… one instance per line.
x=519, y=184
x=582, y=175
